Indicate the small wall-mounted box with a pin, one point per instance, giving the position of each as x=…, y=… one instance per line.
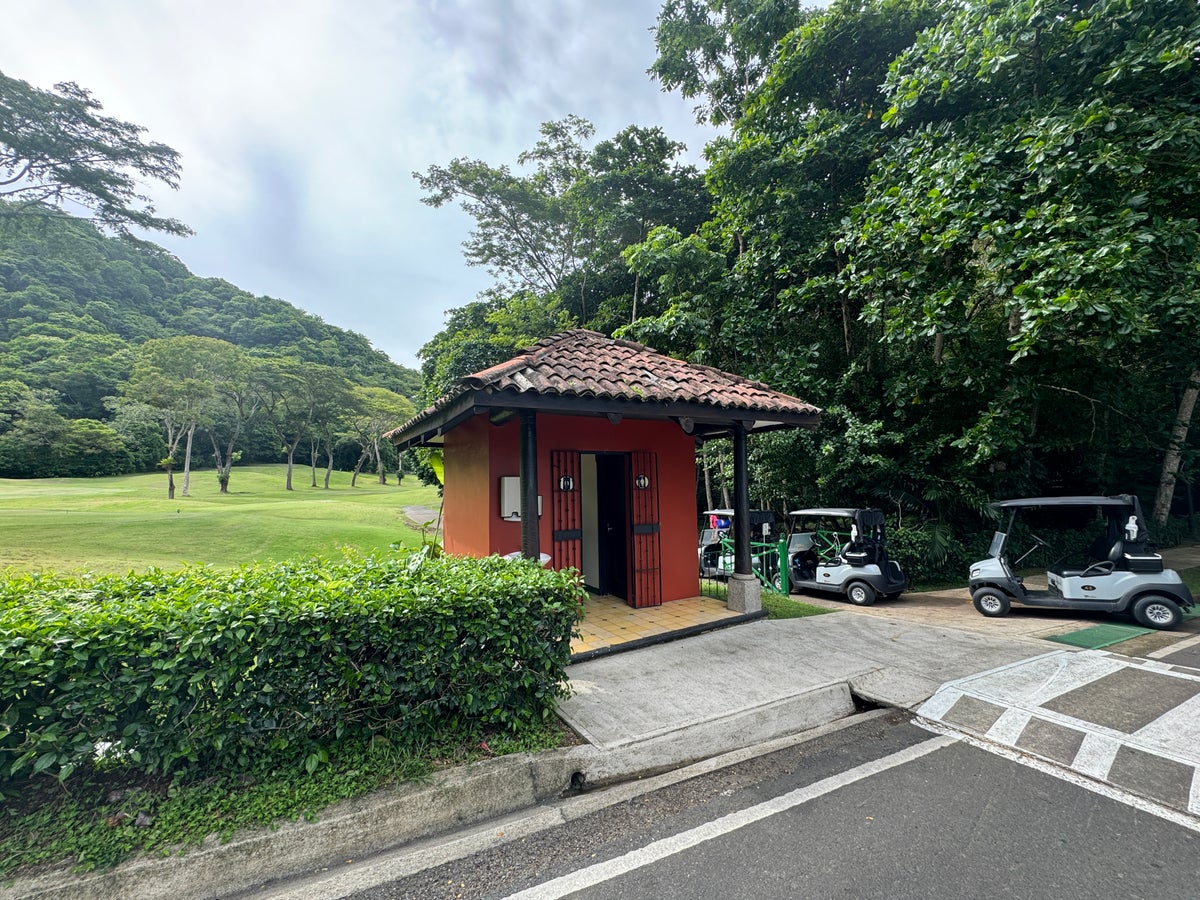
x=510, y=498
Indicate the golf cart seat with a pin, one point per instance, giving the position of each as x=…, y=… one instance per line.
x=861, y=553
x=1112, y=560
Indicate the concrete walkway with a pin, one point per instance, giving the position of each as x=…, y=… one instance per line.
x=747, y=683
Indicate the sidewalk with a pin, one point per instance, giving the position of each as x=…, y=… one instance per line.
x=662, y=707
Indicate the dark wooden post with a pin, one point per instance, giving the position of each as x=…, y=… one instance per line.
x=741, y=503
x=529, y=486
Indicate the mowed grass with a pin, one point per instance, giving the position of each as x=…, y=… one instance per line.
x=115, y=525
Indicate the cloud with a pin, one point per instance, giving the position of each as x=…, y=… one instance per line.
x=300, y=123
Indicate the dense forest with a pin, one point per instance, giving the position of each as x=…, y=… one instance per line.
x=968, y=230
x=115, y=358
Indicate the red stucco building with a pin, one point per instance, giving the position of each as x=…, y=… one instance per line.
x=599, y=437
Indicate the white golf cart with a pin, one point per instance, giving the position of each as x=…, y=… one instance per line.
x=842, y=550
x=1122, y=574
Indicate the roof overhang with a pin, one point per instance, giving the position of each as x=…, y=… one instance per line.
x=703, y=421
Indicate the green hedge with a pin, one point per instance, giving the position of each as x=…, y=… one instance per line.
x=203, y=670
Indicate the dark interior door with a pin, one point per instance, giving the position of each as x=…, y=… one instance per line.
x=612, y=516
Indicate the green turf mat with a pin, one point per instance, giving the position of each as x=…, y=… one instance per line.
x=1099, y=636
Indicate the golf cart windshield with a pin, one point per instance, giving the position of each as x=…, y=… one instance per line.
x=997, y=549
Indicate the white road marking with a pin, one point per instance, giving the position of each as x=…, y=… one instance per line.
x=1009, y=726
x=1185, y=644
x=1095, y=755
x=1104, y=790
x=658, y=850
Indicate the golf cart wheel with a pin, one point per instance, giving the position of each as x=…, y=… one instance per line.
x=1156, y=611
x=860, y=593
x=991, y=602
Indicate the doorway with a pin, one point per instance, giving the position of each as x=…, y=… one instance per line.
x=605, y=494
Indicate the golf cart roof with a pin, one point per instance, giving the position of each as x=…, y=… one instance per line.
x=1027, y=502
x=757, y=516
x=825, y=511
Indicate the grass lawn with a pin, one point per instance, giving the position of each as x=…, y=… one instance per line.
x=113, y=525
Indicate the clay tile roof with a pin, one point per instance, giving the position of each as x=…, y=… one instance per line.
x=587, y=365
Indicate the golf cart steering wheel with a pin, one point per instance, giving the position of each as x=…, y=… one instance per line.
x=1041, y=541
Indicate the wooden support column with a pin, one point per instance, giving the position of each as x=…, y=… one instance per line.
x=741, y=503
x=529, y=486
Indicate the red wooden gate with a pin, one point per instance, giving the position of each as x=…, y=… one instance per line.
x=646, y=564
x=566, y=519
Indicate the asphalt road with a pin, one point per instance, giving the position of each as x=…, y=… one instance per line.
x=881, y=809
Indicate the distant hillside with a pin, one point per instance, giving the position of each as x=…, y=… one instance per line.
x=78, y=310
x=73, y=301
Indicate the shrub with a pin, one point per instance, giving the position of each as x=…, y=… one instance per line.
x=932, y=554
x=180, y=671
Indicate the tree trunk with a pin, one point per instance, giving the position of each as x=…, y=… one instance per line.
x=362, y=458
x=328, y=464
x=1174, y=454
x=379, y=464
x=168, y=463
x=291, y=456
x=224, y=463
x=187, y=459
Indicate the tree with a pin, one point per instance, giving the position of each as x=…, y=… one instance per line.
x=286, y=398
x=484, y=333
x=56, y=147
x=234, y=405
x=629, y=185
x=332, y=408
x=525, y=231
x=720, y=50
x=1034, y=229
x=754, y=289
x=375, y=411
x=175, y=377
x=297, y=397
x=554, y=239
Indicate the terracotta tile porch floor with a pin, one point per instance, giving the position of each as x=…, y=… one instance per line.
x=609, y=621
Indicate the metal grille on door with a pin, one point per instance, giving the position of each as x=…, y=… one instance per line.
x=647, y=574
x=566, y=515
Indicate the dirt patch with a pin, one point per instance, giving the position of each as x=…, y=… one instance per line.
x=419, y=517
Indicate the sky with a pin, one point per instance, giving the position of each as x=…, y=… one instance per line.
x=300, y=124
